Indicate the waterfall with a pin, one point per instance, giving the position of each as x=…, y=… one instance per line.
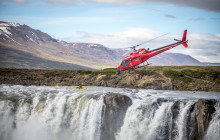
x=55, y=113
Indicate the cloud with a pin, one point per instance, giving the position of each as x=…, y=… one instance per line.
x=62, y=1
x=20, y=1
x=75, y=20
x=47, y=21
x=215, y=18
x=127, y=38
x=197, y=19
x=204, y=47
x=212, y=5
x=169, y=16
x=16, y=1
x=200, y=19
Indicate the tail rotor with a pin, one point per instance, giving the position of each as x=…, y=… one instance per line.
x=183, y=39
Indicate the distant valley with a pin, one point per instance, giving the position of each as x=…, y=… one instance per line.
x=24, y=47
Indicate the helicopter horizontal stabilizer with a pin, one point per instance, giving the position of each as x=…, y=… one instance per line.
x=185, y=45
x=176, y=39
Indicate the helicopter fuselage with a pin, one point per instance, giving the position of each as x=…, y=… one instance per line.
x=135, y=58
x=141, y=55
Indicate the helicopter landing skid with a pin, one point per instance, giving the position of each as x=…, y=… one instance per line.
x=145, y=68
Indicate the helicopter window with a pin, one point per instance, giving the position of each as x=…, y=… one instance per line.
x=130, y=60
x=125, y=62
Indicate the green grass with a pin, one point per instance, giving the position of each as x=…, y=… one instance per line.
x=181, y=77
x=203, y=74
x=109, y=71
x=169, y=71
x=175, y=75
x=150, y=72
x=11, y=72
x=58, y=73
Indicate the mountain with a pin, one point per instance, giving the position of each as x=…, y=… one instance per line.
x=11, y=58
x=175, y=59
x=211, y=64
x=22, y=38
x=24, y=47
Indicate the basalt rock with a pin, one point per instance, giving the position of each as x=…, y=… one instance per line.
x=114, y=112
x=204, y=111
x=199, y=116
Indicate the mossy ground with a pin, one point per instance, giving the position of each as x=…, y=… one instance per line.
x=182, y=77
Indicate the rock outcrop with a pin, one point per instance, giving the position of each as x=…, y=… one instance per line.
x=198, y=118
x=114, y=112
x=204, y=111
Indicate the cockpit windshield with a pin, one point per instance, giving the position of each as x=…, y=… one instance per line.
x=120, y=64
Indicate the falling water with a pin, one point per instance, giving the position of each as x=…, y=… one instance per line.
x=56, y=113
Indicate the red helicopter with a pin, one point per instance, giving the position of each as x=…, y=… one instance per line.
x=141, y=55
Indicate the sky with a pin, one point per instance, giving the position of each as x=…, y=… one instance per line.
x=124, y=23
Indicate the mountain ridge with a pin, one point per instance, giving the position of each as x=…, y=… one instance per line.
x=39, y=44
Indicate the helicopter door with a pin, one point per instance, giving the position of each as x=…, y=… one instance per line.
x=125, y=63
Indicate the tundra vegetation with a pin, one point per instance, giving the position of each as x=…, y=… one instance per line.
x=194, y=78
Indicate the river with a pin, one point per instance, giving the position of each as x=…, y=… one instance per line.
x=62, y=113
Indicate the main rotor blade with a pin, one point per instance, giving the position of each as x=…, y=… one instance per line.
x=125, y=54
x=133, y=47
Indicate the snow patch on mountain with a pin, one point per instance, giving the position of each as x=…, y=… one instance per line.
x=92, y=45
x=31, y=39
x=6, y=27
